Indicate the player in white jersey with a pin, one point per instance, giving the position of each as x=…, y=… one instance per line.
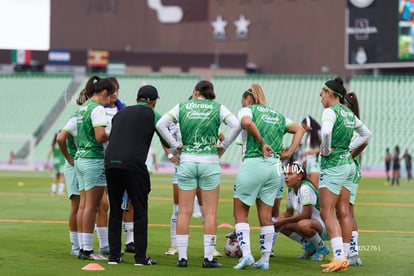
x=302, y=221
x=199, y=119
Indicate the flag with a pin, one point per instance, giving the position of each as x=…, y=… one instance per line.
x=59, y=56
x=21, y=56
x=98, y=58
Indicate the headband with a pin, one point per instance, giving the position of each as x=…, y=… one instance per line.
x=326, y=88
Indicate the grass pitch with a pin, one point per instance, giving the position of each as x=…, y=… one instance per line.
x=34, y=235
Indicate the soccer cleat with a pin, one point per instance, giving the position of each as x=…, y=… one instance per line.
x=90, y=255
x=335, y=266
x=75, y=252
x=355, y=261
x=114, y=261
x=98, y=257
x=216, y=253
x=182, y=263
x=172, y=250
x=147, y=261
x=130, y=247
x=310, y=249
x=320, y=254
x=261, y=265
x=244, y=262
x=104, y=250
x=211, y=264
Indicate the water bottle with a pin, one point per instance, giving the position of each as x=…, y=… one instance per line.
x=124, y=205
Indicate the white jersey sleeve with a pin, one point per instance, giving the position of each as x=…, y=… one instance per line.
x=328, y=120
x=71, y=126
x=229, y=119
x=98, y=117
x=163, y=126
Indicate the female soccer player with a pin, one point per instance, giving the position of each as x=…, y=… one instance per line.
x=338, y=168
x=260, y=174
x=199, y=119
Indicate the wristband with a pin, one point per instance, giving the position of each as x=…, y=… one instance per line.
x=170, y=155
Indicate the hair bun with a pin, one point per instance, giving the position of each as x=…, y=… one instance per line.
x=339, y=80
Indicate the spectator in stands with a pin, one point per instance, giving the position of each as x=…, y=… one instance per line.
x=89, y=159
x=68, y=147
x=306, y=226
x=396, y=167
x=257, y=181
x=199, y=119
x=125, y=169
x=312, y=148
x=337, y=168
x=351, y=101
x=387, y=159
x=58, y=163
x=408, y=165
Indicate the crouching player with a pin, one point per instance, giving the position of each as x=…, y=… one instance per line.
x=306, y=226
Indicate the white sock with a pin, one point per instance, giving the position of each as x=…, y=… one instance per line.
x=337, y=248
x=87, y=239
x=316, y=241
x=54, y=188
x=128, y=232
x=74, y=241
x=243, y=237
x=173, y=226
x=353, y=249
x=102, y=233
x=209, y=246
x=266, y=240
x=80, y=240
x=299, y=238
x=346, y=249
x=182, y=245
x=61, y=188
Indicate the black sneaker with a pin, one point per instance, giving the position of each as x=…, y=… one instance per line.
x=182, y=263
x=85, y=255
x=90, y=255
x=147, y=261
x=130, y=247
x=113, y=261
x=211, y=264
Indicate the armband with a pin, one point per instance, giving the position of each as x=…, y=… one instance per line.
x=170, y=155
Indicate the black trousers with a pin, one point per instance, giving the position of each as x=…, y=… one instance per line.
x=138, y=186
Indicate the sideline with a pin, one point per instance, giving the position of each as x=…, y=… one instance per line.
x=191, y=226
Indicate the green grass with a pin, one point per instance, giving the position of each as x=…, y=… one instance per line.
x=34, y=235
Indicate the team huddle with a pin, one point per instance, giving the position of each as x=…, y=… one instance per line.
x=106, y=160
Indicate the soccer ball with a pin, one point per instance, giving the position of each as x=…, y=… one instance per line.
x=232, y=248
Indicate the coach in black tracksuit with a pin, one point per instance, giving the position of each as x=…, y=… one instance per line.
x=125, y=169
